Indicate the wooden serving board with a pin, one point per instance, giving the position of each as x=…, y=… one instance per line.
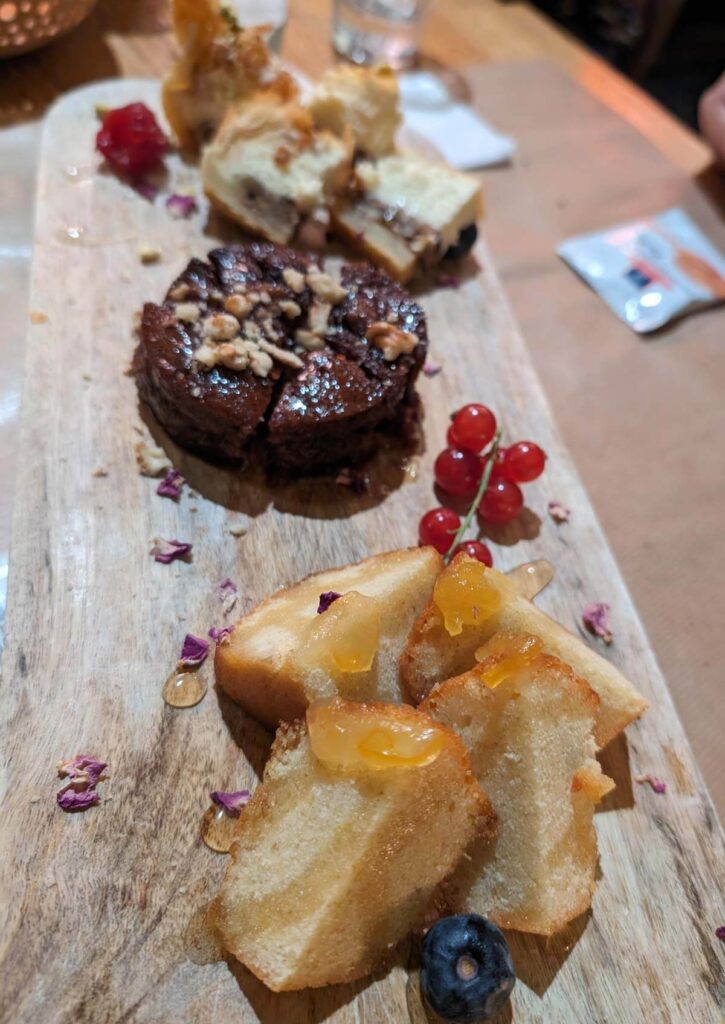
x=95, y=905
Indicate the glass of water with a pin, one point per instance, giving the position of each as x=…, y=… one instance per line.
x=378, y=31
x=250, y=13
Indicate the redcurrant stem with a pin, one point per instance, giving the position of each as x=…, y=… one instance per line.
x=485, y=477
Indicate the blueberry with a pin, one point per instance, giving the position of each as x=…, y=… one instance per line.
x=466, y=241
x=466, y=972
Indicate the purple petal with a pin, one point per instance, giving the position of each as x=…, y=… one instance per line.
x=231, y=802
x=326, y=600
x=82, y=769
x=70, y=800
x=653, y=782
x=597, y=620
x=221, y=636
x=558, y=512
x=432, y=369
x=146, y=189
x=167, y=550
x=181, y=207
x=720, y=932
x=448, y=281
x=225, y=588
x=193, y=651
x=170, y=486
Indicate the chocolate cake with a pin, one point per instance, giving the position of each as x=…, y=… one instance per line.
x=261, y=342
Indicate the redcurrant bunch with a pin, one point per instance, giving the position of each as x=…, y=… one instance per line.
x=131, y=140
x=473, y=443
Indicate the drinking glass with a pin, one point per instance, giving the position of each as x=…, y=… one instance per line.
x=250, y=13
x=378, y=31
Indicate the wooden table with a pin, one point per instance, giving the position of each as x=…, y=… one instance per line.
x=643, y=419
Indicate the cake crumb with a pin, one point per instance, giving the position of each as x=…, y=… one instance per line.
x=148, y=254
x=36, y=317
x=100, y=471
x=237, y=530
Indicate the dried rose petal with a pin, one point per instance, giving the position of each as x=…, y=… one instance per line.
x=193, y=651
x=448, y=281
x=432, y=369
x=167, y=550
x=326, y=600
x=227, y=591
x=558, y=512
x=231, y=802
x=146, y=189
x=181, y=207
x=82, y=768
x=221, y=636
x=651, y=780
x=70, y=800
x=357, y=481
x=170, y=486
x=597, y=620
x=720, y=932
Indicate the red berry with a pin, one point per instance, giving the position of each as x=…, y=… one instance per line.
x=438, y=528
x=450, y=438
x=499, y=471
x=131, y=140
x=524, y=462
x=476, y=549
x=458, y=472
x=473, y=428
x=501, y=503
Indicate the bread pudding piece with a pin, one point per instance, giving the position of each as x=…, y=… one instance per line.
x=361, y=813
x=285, y=654
x=527, y=723
x=361, y=100
x=443, y=644
x=217, y=63
x=270, y=170
x=409, y=212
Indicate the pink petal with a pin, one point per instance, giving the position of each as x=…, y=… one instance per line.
x=326, y=600
x=170, y=486
x=231, y=802
x=597, y=620
x=558, y=512
x=651, y=780
x=167, y=550
x=193, y=651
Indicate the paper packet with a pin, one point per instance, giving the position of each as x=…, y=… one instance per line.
x=650, y=271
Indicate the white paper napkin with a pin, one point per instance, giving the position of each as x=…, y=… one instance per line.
x=461, y=136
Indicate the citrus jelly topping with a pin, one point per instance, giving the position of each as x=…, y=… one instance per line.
x=348, y=735
x=347, y=634
x=463, y=596
x=505, y=654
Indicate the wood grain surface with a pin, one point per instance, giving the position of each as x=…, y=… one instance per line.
x=95, y=905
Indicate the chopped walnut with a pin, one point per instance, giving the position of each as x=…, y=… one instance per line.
x=294, y=279
x=221, y=327
x=391, y=341
x=152, y=460
x=239, y=306
x=180, y=293
x=319, y=317
x=261, y=363
x=148, y=254
x=308, y=340
x=187, y=312
x=282, y=355
x=290, y=308
x=325, y=287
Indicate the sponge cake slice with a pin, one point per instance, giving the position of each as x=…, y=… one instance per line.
x=335, y=864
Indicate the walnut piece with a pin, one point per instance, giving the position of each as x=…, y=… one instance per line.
x=290, y=309
x=391, y=341
x=187, y=312
x=309, y=341
x=282, y=355
x=221, y=327
x=152, y=460
x=294, y=279
x=325, y=287
x=239, y=306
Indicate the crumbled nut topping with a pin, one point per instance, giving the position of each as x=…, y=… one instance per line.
x=180, y=293
x=152, y=460
x=282, y=355
x=239, y=305
x=308, y=340
x=294, y=279
x=391, y=341
x=319, y=317
x=187, y=312
x=221, y=327
x=325, y=287
x=148, y=254
x=290, y=308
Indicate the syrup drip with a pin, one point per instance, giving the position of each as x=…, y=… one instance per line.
x=218, y=829
x=346, y=735
x=183, y=689
x=531, y=577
